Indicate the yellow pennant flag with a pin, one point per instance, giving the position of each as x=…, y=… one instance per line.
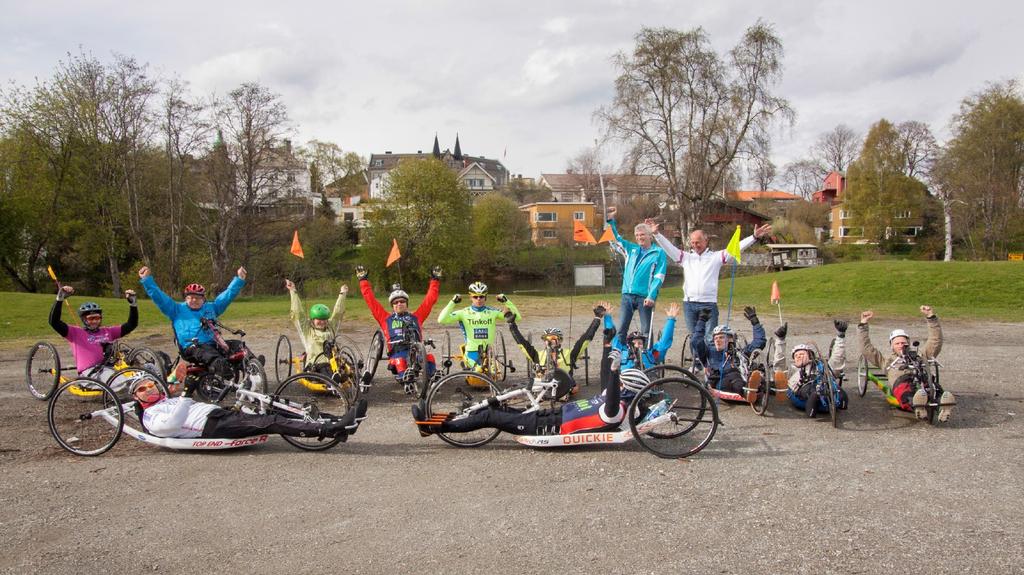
x=733, y=248
x=394, y=255
x=49, y=270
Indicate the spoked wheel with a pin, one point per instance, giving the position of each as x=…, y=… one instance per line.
x=88, y=424
x=283, y=359
x=686, y=354
x=586, y=365
x=42, y=370
x=347, y=376
x=121, y=381
x=691, y=422
x=148, y=358
x=448, y=361
x=209, y=387
x=418, y=355
x=374, y=354
x=830, y=401
x=862, y=376
x=452, y=395
x=323, y=406
x=254, y=377
x=499, y=359
x=764, y=392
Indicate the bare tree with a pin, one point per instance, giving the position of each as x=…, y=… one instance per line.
x=685, y=112
x=803, y=177
x=919, y=148
x=835, y=149
x=760, y=168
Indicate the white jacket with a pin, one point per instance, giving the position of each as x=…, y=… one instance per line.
x=700, y=271
x=177, y=417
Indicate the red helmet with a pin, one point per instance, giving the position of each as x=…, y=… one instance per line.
x=195, y=289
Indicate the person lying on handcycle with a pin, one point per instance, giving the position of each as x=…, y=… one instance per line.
x=722, y=362
x=317, y=328
x=605, y=411
x=909, y=396
x=192, y=320
x=553, y=356
x=184, y=417
x=802, y=375
x=91, y=343
x=477, y=321
x=394, y=324
x=635, y=352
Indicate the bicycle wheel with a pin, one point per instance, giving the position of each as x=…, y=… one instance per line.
x=499, y=361
x=253, y=376
x=149, y=358
x=764, y=392
x=346, y=377
x=283, y=359
x=418, y=356
x=374, y=354
x=42, y=370
x=691, y=423
x=208, y=388
x=686, y=354
x=862, y=376
x=315, y=406
x=452, y=395
x=87, y=424
x=830, y=401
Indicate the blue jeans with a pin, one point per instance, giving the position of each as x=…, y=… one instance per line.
x=634, y=303
x=691, y=309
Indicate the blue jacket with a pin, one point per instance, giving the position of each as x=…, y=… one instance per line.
x=644, y=271
x=185, y=321
x=716, y=360
x=650, y=357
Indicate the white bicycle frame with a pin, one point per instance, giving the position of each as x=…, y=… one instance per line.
x=538, y=392
x=598, y=437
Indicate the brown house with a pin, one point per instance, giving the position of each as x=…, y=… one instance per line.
x=551, y=223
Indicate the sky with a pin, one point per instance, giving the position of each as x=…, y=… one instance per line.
x=520, y=80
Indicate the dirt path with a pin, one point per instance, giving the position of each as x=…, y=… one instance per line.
x=770, y=494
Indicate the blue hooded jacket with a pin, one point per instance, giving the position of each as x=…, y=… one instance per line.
x=644, y=271
x=186, y=322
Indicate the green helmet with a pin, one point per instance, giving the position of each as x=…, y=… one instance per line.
x=319, y=311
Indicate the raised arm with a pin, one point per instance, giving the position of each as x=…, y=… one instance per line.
x=779, y=360
x=338, y=313
x=517, y=335
x=658, y=276
x=162, y=301
x=224, y=299
x=133, y=314
x=671, y=252
x=56, y=323
x=297, y=312
x=449, y=314
x=933, y=345
x=433, y=290
x=869, y=351
x=837, y=352
x=511, y=306
x=759, y=340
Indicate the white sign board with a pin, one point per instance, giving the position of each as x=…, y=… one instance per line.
x=589, y=275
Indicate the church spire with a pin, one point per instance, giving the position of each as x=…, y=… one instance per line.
x=437, y=147
x=458, y=149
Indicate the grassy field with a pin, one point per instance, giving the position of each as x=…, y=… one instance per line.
x=965, y=290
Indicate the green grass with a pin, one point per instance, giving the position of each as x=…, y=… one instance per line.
x=965, y=290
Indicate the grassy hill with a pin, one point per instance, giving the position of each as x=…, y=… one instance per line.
x=967, y=290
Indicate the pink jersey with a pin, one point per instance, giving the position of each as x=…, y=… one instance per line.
x=87, y=346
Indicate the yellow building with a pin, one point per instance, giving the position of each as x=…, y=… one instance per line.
x=551, y=223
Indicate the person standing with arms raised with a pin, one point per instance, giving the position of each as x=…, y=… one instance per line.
x=642, y=275
x=700, y=270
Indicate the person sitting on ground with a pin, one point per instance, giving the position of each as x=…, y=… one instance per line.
x=905, y=391
x=477, y=322
x=802, y=376
x=184, y=417
x=395, y=324
x=722, y=361
x=554, y=357
x=635, y=353
x=192, y=320
x=91, y=344
x=317, y=328
x=603, y=412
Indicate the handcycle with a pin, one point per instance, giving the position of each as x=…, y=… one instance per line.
x=687, y=359
x=205, y=385
x=44, y=370
x=493, y=358
x=923, y=374
x=416, y=378
x=755, y=364
x=554, y=353
x=664, y=417
x=92, y=425
x=338, y=360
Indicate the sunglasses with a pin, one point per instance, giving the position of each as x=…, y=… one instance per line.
x=93, y=316
x=478, y=296
x=145, y=388
x=398, y=301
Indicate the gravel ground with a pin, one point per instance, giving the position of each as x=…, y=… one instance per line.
x=781, y=493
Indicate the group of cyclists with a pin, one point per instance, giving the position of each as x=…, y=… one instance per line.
x=723, y=362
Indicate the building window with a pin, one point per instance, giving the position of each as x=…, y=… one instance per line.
x=546, y=217
x=850, y=232
x=378, y=163
x=903, y=215
x=830, y=216
x=843, y=214
x=548, y=234
x=349, y=217
x=475, y=183
x=911, y=232
x=577, y=216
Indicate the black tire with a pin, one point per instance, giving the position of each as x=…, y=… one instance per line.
x=764, y=392
x=830, y=390
x=149, y=358
x=418, y=354
x=686, y=354
x=449, y=361
x=863, y=369
x=252, y=375
x=77, y=421
x=283, y=359
x=42, y=370
x=208, y=388
x=586, y=365
x=531, y=368
x=347, y=375
x=692, y=427
x=452, y=394
x=501, y=357
x=321, y=400
x=128, y=376
x=374, y=354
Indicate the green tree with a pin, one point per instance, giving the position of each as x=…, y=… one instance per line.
x=499, y=231
x=428, y=210
x=882, y=199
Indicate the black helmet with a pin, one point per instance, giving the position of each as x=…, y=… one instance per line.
x=89, y=308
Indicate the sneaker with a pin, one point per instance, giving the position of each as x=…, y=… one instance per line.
x=812, y=404
x=947, y=403
x=753, y=387
x=920, y=404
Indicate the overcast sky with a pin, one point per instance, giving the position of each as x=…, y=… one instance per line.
x=523, y=76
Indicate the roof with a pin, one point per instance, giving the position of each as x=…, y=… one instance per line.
x=791, y=246
x=622, y=183
x=752, y=195
x=538, y=204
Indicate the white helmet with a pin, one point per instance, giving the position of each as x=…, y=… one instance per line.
x=397, y=294
x=802, y=347
x=722, y=329
x=898, y=333
x=478, y=288
x=633, y=379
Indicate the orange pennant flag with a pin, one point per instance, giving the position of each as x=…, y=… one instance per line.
x=580, y=233
x=394, y=255
x=607, y=236
x=296, y=246
x=776, y=296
